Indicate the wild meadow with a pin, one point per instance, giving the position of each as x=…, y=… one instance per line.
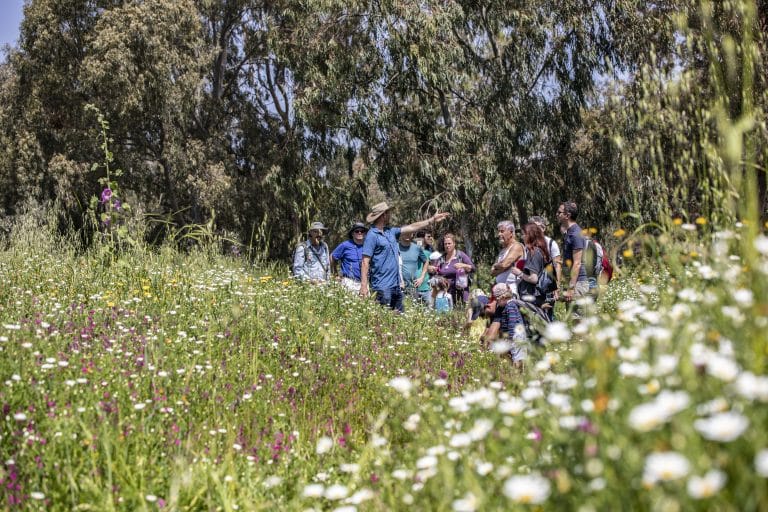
x=154, y=380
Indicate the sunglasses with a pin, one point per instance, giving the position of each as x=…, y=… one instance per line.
x=359, y=231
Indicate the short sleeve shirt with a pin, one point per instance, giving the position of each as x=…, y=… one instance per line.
x=413, y=259
x=382, y=247
x=350, y=255
x=553, y=248
x=534, y=264
x=574, y=241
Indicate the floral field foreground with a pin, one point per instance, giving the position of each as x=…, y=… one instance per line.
x=175, y=382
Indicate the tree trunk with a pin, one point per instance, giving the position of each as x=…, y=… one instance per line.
x=466, y=235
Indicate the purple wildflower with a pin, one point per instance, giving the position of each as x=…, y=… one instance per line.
x=106, y=195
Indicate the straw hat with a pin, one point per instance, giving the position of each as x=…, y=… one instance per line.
x=376, y=212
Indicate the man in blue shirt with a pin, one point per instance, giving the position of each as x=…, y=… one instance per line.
x=573, y=250
x=381, y=256
x=350, y=254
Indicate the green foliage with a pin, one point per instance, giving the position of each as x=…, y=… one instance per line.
x=694, y=139
x=273, y=114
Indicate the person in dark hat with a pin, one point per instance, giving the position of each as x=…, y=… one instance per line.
x=380, y=270
x=311, y=259
x=350, y=254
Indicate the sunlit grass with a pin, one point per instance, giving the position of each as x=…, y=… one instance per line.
x=193, y=382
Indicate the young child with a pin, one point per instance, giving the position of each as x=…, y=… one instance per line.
x=476, y=319
x=442, y=300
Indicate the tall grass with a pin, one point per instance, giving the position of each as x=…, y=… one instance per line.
x=196, y=381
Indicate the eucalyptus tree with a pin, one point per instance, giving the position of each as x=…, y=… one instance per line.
x=692, y=133
x=42, y=105
x=478, y=102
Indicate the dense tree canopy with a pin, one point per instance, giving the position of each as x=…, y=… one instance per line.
x=266, y=115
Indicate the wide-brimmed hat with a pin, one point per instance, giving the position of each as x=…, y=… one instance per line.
x=376, y=212
x=355, y=226
x=317, y=225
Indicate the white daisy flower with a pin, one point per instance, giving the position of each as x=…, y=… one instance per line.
x=705, y=486
x=752, y=387
x=761, y=244
x=665, y=365
x=761, y=463
x=483, y=468
x=360, y=496
x=412, y=423
x=402, y=385
x=744, y=297
x=557, y=332
x=513, y=406
x=428, y=461
x=349, y=468
x=528, y=489
x=480, y=429
x=313, y=491
x=468, y=503
x=722, y=367
x=460, y=440
x=401, y=474
x=715, y=405
x=336, y=492
x=673, y=401
x=723, y=427
x=664, y=466
x=647, y=417
x=324, y=445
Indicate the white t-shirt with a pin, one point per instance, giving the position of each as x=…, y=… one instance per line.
x=552, y=247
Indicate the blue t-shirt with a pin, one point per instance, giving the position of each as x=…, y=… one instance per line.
x=574, y=241
x=350, y=255
x=411, y=256
x=382, y=248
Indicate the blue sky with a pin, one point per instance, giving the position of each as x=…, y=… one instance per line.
x=11, y=12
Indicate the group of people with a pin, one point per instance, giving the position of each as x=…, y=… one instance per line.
x=394, y=262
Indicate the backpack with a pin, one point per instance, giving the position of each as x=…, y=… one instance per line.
x=545, y=285
x=607, y=273
x=547, y=282
x=597, y=264
x=592, y=258
x=549, y=267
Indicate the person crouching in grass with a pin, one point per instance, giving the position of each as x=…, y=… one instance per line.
x=511, y=327
x=477, y=321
